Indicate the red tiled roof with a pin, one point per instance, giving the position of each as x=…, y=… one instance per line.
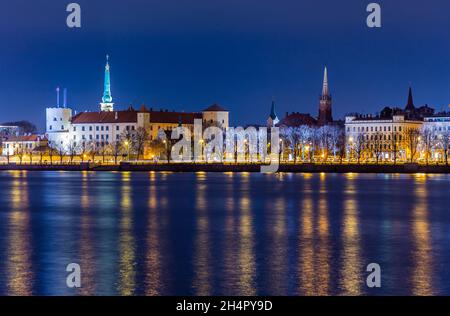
x=105, y=117
x=130, y=116
x=174, y=117
x=26, y=138
x=297, y=119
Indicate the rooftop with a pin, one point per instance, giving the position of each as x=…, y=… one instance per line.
x=215, y=108
x=26, y=138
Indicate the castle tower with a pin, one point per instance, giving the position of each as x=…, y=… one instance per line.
x=106, y=104
x=325, y=102
x=58, y=121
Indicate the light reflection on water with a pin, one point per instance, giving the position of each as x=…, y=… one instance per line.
x=19, y=271
x=224, y=234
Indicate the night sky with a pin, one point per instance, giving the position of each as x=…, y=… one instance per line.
x=185, y=55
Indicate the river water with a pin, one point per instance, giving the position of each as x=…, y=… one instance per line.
x=223, y=233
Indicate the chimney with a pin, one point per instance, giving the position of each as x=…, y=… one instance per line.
x=65, y=98
x=57, y=96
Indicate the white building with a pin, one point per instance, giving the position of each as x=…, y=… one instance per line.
x=65, y=129
x=21, y=145
x=377, y=135
x=439, y=125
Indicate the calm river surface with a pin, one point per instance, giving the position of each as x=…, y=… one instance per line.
x=224, y=233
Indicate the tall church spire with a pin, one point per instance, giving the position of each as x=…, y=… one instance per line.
x=325, y=102
x=410, y=104
x=273, y=118
x=107, y=104
x=325, y=90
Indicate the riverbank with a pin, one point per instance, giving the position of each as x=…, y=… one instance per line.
x=184, y=167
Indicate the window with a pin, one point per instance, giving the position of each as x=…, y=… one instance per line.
x=62, y=126
x=102, y=128
x=117, y=128
x=132, y=128
x=90, y=128
x=50, y=127
x=90, y=137
x=54, y=119
x=97, y=137
x=74, y=128
x=107, y=128
x=96, y=128
x=83, y=129
x=74, y=137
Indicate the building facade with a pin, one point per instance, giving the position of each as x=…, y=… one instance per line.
x=388, y=138
x=66, y=129
x=439, y=127
x=21, y=145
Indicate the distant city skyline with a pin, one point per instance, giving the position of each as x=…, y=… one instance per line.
x=187, y=56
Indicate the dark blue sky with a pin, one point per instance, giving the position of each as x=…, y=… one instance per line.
x=185, y=55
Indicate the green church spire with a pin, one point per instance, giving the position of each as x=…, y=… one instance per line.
x=107, y=97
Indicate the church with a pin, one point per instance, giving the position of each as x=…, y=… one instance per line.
x=65, y=127
x=296, y=119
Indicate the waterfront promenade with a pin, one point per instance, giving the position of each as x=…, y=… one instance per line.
x=240, y=167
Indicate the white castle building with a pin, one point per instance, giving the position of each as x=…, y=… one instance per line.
x=64, y=128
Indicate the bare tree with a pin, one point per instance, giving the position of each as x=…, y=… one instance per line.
x=128, y=139
x=51, y=151
x=394, y=145
x=337, y=139
x=305, y=133
x=92, y=150
x=341, y=146
x=104, y=151
x=412, y=136
x=324, y=141
x=157, y=147
x=376, y=145
x=29, y=153
x=20, y=152
x=83, y=150
x=165, y=137
x=141, y=139
x=292, y=140
x=427, y=138
x=359, y=143
x=445, y=143
x=72, y=150
x=116, y=150
x=61, y=151
x=42, y=152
